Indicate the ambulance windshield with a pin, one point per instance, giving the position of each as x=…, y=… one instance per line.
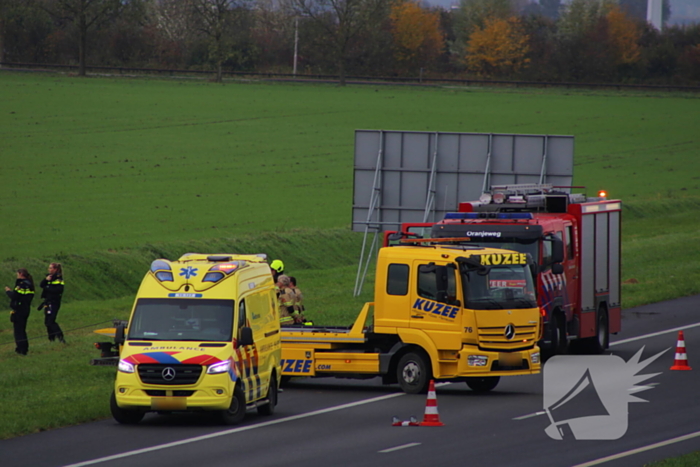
x=182, y=319
x=498, y=287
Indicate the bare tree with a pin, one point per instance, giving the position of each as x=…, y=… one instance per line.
x=171, y=18
x=86, y=15
x=216, y=21
x=343, y=21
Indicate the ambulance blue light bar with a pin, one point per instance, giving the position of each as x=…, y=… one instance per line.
x=488, y=215
x=162, y=270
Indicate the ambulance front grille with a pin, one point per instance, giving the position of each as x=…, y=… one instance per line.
x=170, y=375
x=164, y=393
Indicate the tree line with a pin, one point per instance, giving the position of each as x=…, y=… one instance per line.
x=578, y=41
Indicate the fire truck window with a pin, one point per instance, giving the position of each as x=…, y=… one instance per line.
x=397, y=279
x=569, y=242
x=546, y=253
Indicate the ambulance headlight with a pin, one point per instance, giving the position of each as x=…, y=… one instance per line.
x=126, y=367
x=535, y=357
x=477, y=360
x=221, y=367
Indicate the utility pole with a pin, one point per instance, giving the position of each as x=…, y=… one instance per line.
x=296, y=43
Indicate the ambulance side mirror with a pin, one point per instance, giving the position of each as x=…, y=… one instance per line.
x=246, y=337
x=119, y=333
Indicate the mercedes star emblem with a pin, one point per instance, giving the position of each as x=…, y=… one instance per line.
x=168, y=373
x=510, y=332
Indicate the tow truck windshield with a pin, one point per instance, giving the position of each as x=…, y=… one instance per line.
x=498, y=287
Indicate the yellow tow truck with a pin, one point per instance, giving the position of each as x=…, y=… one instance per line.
x=441, y=311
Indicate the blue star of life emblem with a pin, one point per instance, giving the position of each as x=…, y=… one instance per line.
x=188, y=272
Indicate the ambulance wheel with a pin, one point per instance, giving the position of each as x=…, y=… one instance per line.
x=484, y=384
x=235, y=413
x=413, y=373
x=124, y=416
x=269, y=408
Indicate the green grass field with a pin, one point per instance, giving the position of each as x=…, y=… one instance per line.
x=99, y=163
x=106, y=175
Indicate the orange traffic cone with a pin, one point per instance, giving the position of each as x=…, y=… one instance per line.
x=431, y=417
x=681, y=362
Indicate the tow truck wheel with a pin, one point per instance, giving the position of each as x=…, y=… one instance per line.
x=484, y=384
x=235, y=413
x=269, y=408
x=124, y=416
x=413, y=373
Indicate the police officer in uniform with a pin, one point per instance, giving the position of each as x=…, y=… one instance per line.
x=20, y=302
x=52, y=293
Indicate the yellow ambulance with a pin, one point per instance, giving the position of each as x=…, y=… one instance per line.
x=203, y=335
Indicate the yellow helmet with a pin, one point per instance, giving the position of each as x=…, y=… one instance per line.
x=277, y=265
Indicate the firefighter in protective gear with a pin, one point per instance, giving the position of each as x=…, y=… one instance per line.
x=52, y=293
x=20, y=302
x=298, y=303
x=286, y=300
x=277, y=267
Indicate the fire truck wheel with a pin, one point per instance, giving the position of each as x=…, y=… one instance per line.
x=559, y=340
x=413, y=373
x=235, y=413
x=269, y=408
x=124, y=416
x=484, y=384
x=602, y=339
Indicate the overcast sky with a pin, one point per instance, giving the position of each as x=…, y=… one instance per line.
x=680, y=9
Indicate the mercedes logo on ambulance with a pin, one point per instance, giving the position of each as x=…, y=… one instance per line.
x=509, y=332
x=168, y=373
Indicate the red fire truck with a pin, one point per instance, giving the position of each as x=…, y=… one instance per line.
x=575, y=241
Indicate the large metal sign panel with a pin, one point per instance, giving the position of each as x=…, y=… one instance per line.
x=407, y=176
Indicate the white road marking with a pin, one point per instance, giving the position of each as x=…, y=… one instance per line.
x=409, y=445
x=234, y=430
x=632, y=452
x=654, y=334
x=536, y=414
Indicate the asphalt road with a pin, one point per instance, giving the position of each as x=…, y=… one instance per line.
x=348, y=423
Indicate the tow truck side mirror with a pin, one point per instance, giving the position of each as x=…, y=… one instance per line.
x=557, y=268
x=246, y=337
